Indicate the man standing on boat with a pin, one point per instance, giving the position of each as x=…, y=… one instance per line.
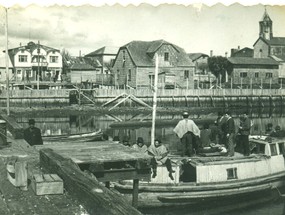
x=229, y=131
x=32, y=134
x=244, y=131
x=187, y=131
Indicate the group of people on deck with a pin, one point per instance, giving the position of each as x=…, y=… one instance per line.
x=158, y=151
x=223, y=134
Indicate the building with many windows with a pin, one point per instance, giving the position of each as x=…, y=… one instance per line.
x=35, y=62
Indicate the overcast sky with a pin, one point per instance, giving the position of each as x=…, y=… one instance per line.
x=86, y=28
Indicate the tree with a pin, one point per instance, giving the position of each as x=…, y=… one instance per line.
x=219, y=66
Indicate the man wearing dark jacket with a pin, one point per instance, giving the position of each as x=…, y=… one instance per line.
x=32, y=134
x=244, y=130
x=229, y=131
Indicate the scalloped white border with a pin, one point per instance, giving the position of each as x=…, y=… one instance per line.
x=24, y=3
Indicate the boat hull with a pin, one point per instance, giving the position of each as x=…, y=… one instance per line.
x=86, y=137
x=187, y=194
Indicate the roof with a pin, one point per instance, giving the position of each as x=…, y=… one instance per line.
x=142, y=52
x=274, y=41
x=278, y=58
x=81, y=63
x=265, y=16
x=252, y=61
x=244, y=51
x=106, y=50
x=31, y=46
x=279, y=41
x=195, y=56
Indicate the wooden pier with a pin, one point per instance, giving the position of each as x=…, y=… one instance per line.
x=83, y=165
x=86, y=170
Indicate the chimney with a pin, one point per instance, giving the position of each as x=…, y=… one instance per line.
x=226, y=54
x=20, y=44
x=79, y=53
x=211, y=53
x=238, y=47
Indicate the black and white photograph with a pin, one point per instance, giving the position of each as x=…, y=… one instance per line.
x=142, y=107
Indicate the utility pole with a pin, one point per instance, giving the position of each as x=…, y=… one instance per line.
x=7, y=61
x=38, y=74
x=154, y=100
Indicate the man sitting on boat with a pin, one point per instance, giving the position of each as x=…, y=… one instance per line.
x=278, y=132
x=187, y=131
x=140, y=146
x=160, y=156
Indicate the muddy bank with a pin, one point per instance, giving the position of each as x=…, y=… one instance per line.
x=90, y=110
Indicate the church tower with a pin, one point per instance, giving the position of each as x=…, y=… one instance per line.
x=265, y=27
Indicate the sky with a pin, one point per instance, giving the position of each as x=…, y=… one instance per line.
x=83, y=28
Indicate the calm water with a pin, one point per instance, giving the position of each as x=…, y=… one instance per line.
x=72, y=124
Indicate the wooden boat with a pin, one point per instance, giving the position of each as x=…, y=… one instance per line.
x=82, y=137
x=210, y=176
x=159, y=123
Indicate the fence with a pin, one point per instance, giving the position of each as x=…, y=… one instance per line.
x=31, y=98
x=166, y=98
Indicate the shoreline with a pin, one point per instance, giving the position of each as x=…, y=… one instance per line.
x=87, y=110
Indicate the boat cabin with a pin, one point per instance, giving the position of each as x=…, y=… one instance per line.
x=266, y=159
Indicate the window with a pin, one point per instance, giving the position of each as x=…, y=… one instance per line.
x=130, y=75
x=260, y=50
x=281, y=148
x=118, y=73
x=256, y=75
x=23, y=58
x=232, y=173
x=186, y=74
x=124, y=57
x=243, y=74
x=166, y=56
x=268, y=75
x=273, y=149
x=19, y=72
x=53, y=59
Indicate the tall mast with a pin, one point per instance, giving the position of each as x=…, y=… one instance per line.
x=7, y=61
x=154, y=100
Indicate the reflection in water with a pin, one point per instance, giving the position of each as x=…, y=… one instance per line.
x=86, y=123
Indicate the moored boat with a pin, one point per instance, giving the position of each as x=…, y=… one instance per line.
x=208, y=177
x=82, y=137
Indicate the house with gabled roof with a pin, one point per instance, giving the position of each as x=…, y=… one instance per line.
x=83, y=69
x=253, y=71
x=35, y=60
x=134, y=65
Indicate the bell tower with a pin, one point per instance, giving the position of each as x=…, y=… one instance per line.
x=265, y=27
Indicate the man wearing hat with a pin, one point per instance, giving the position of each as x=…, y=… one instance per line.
x=187, y=131
x=32, y=134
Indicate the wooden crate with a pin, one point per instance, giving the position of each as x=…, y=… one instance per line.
x=45, y=184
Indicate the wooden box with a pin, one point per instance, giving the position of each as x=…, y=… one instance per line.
x=45, y=184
